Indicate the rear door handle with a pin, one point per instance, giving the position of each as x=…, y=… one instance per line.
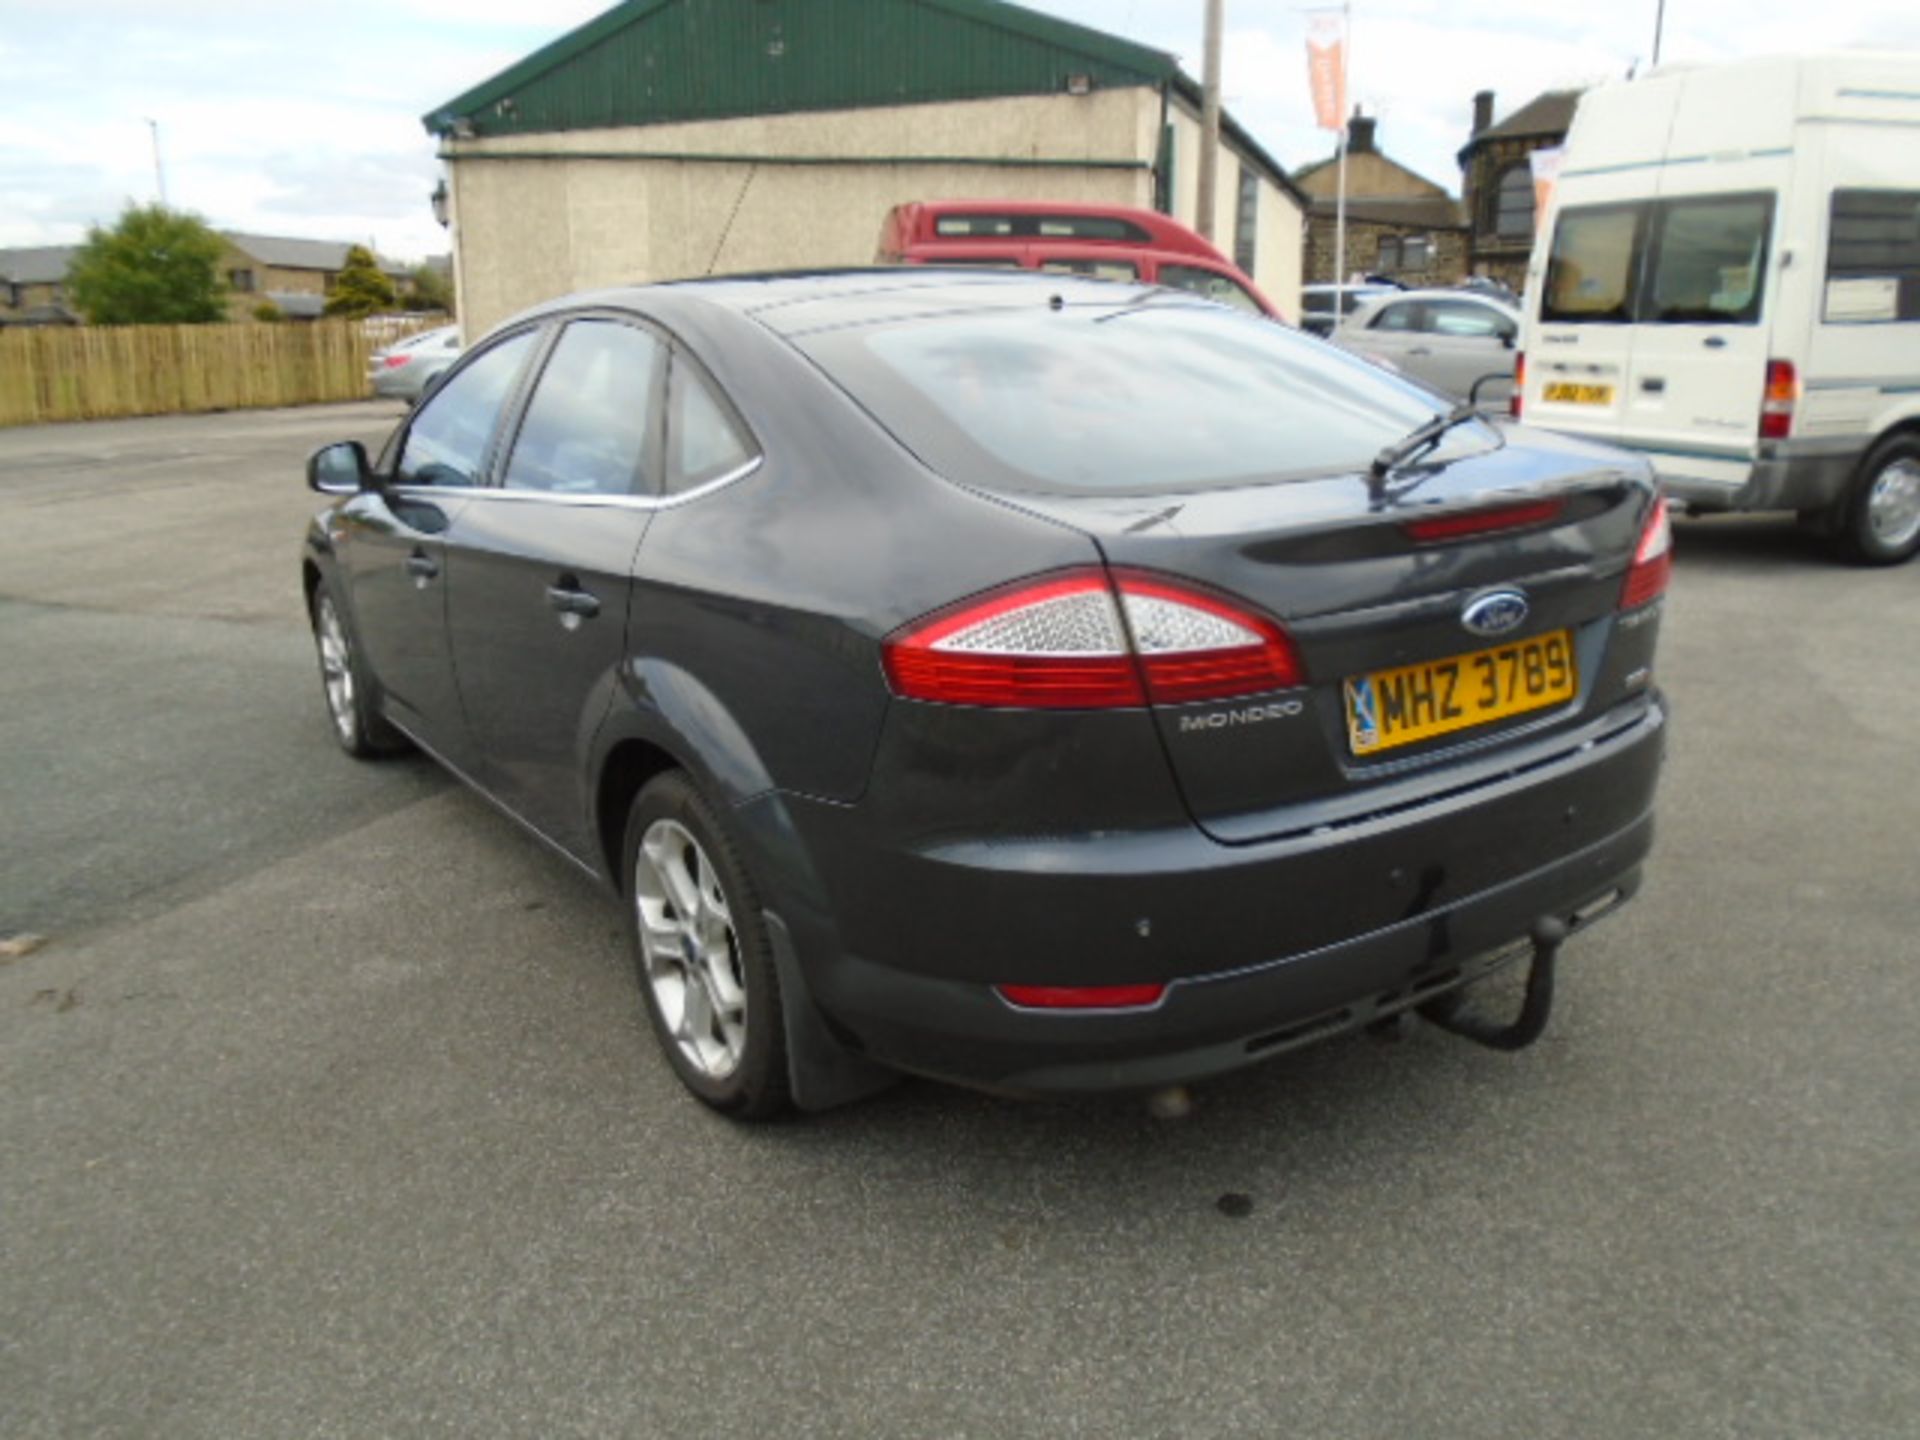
x=1419, y=350
x=571, y=600
x=1715, y=342
x=422, y=566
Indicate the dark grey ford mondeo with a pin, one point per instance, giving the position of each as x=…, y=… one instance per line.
x=1047, y=685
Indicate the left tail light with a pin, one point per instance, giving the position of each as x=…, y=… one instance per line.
x=1516, y=402
x=1083, y=640
x=1652, y=559
x=394, y=362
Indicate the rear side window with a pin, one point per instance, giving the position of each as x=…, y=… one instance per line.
x=1211, y=284
x=1590, y=270
x=1465, y=320
x=1153, y=396
x=1710, y=261
x=1403, y=316
x=447, y=442
x=586, y=428
x=1873, y=257
x=704, y=437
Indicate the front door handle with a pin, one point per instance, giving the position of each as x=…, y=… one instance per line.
x=571, y=600
x=1419, y=350
x=422, y=567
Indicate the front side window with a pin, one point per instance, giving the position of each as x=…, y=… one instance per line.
x=1710, y=261
x=1212, y=284
x=1513, y=203
x=447, y=442
x=1590, y=269
x=586, y=428
x=1873, y=257
x=704, y=438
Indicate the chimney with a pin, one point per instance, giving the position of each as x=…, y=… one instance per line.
x=1482, y=110
x=1360, y=133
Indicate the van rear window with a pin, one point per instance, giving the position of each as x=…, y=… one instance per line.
x=1695, y=260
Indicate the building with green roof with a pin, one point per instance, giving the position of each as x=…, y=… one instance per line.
x=674, y=138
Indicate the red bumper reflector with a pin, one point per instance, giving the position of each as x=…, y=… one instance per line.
x=1081, y=997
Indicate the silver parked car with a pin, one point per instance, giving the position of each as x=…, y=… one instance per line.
x=1443, y=338
x=404, y=369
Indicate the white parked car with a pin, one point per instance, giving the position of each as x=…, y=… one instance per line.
x=404, y=369
x=1447, y=339
x=1729, y=282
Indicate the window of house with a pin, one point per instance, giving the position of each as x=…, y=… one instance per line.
x=241, y=280
x=1247, y=221
x=13, y=295
x=447, y=442
x=1873, y=257
x=586, y=427
x=1513, y=203
x=1389, y=257
x=1416, y=251
x=705, y=439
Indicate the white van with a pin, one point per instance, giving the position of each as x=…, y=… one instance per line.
x=1729, y=281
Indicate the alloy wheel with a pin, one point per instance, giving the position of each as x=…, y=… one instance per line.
x=1893, y=504
x=336, y=668
x=690, y=949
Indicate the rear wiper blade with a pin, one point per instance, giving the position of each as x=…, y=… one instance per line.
x=1423, y=437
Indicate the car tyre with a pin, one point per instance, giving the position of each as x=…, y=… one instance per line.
x=1881, y=523
x=344, y=681
x=702, y=952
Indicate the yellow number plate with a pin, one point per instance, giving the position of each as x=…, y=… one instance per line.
x=1417, y=702
x=1562, y=392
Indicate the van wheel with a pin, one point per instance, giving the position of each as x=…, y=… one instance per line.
x=1882, y=524
x=703, y=953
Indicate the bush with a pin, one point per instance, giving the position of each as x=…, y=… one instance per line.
x=362, y=288
x=154, y=267
x=268, y=312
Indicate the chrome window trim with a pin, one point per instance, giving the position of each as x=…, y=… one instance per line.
x=553, y=497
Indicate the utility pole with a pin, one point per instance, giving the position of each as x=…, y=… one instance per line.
x=1210, y=119
x=159, y=171
x=1659, y=24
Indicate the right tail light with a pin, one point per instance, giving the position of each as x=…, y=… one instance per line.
x=1515, y=402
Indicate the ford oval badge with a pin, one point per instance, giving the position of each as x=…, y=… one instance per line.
x=1495, y=613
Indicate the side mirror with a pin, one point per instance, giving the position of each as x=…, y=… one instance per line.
x=1509, y=338
x=340, y=469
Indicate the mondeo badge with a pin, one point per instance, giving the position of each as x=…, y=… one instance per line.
x=1495, y=613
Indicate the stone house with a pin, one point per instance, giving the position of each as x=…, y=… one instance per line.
x=678, y=138
x=33, y=288
x=1497, y=180
x=1399, y=223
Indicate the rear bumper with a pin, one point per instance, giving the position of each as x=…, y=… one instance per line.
x=1787, y=475
x=1263, y=947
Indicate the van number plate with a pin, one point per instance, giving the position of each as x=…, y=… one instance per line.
x=1388, y=708
x=1564, y=392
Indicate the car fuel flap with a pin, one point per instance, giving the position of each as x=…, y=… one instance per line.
x=1330, y=559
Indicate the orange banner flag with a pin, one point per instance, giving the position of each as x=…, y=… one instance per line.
x=1327, y=67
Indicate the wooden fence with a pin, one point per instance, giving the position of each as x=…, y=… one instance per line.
x=93, y=372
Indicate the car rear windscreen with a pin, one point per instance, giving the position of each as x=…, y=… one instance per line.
x=1153, y=396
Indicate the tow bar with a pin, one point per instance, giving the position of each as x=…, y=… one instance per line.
x=1547, y=934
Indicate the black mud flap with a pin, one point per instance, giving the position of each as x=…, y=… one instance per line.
x=821, y=1072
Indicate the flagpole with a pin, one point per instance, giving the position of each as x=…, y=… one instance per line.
x=1340, y=197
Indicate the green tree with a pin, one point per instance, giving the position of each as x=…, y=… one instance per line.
x=154, y=267
x=361, y=288
x=429, y=288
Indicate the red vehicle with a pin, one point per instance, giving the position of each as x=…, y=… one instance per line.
x=1105, y=242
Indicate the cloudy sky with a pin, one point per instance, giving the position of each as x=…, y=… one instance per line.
x=303, y=119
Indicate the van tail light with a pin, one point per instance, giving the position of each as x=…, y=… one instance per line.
x=1776, y=409
x=1652, y=559
x=1515, y=401
x=1082, y=640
